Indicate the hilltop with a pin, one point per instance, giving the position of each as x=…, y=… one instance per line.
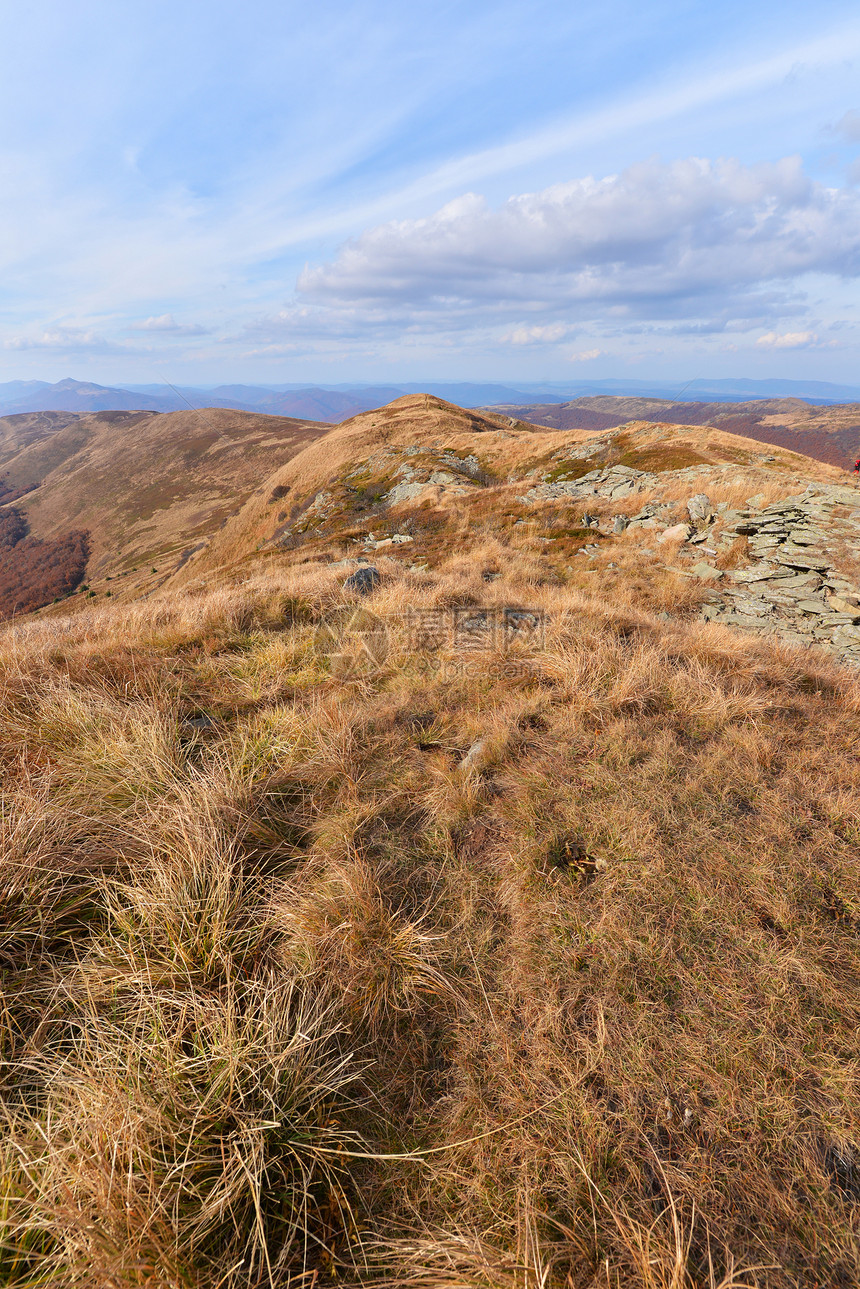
x=169, y=500
x=487, y=919
x=828, y=433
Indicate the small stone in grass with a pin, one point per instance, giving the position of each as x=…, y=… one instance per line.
x=677, y=533
x=363, y=580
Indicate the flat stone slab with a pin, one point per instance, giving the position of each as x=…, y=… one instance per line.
x=812, y=606
x=758, y=573
x=755, y=608
x=801, y=559
x=706, y=572
x=744, y=620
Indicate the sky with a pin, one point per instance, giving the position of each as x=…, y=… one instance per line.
x=367, y=190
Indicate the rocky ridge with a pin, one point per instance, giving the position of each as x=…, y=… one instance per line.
x=795, y=579
x=795, y=587
x=614, y=482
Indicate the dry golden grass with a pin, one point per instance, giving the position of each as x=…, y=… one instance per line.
x=509, y=960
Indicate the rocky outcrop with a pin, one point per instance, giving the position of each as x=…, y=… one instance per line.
x=793, y=588
x=615, y=482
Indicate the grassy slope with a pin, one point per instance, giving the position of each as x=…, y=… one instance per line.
x=428, y=424
x=26, y=428
x=264, y=934
x=829, y=434
x=147, y=486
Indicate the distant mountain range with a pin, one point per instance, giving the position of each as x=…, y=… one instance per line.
x=335, y=403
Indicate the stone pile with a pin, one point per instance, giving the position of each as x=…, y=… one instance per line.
x=793, y=588
x=614, y=481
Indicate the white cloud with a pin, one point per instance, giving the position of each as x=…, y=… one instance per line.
x=585, y=355
x=167, y=323
x=695, y=238
x=66, y=339
x=789, y=340
x=537, y=335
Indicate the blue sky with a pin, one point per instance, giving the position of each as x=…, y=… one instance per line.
x=469, y=189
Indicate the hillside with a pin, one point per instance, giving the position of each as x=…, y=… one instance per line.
x=19, y=432
x=496, y=927
x=145, y=488
x=826, y=433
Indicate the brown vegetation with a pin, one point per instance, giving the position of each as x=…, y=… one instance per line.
x=531, y=963
x=826, y=433
x=498, y=930
x=34, y=572
x=147, y=486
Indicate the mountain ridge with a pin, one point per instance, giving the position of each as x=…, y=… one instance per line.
x=336, y=403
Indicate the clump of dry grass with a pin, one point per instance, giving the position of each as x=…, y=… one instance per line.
x=294, y=968
x=189, y=1140
x=344, y=928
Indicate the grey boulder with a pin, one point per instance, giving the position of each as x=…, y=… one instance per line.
x=363, y=580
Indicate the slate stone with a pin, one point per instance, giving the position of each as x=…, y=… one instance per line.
x=755, y=573
x=801, y=559
x=677, y=532
x=699, y=508
x=363, y=580
x=757, y=608
x=812, y=606
x=840, y=620
x=706, y=572
x=838, y=605
x=741, y=620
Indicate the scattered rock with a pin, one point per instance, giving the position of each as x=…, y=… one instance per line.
x=471, y=758
x=363, y=581
x=798, y=598
x=699, y=508
x=677, y=533
x=612, y=481
x=706, y=572
x=755, y=573
x=197, y=724
x=812, y=606
x=399, y=539
x=839, y=605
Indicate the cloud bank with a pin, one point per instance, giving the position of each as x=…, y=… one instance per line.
x=687, y=240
